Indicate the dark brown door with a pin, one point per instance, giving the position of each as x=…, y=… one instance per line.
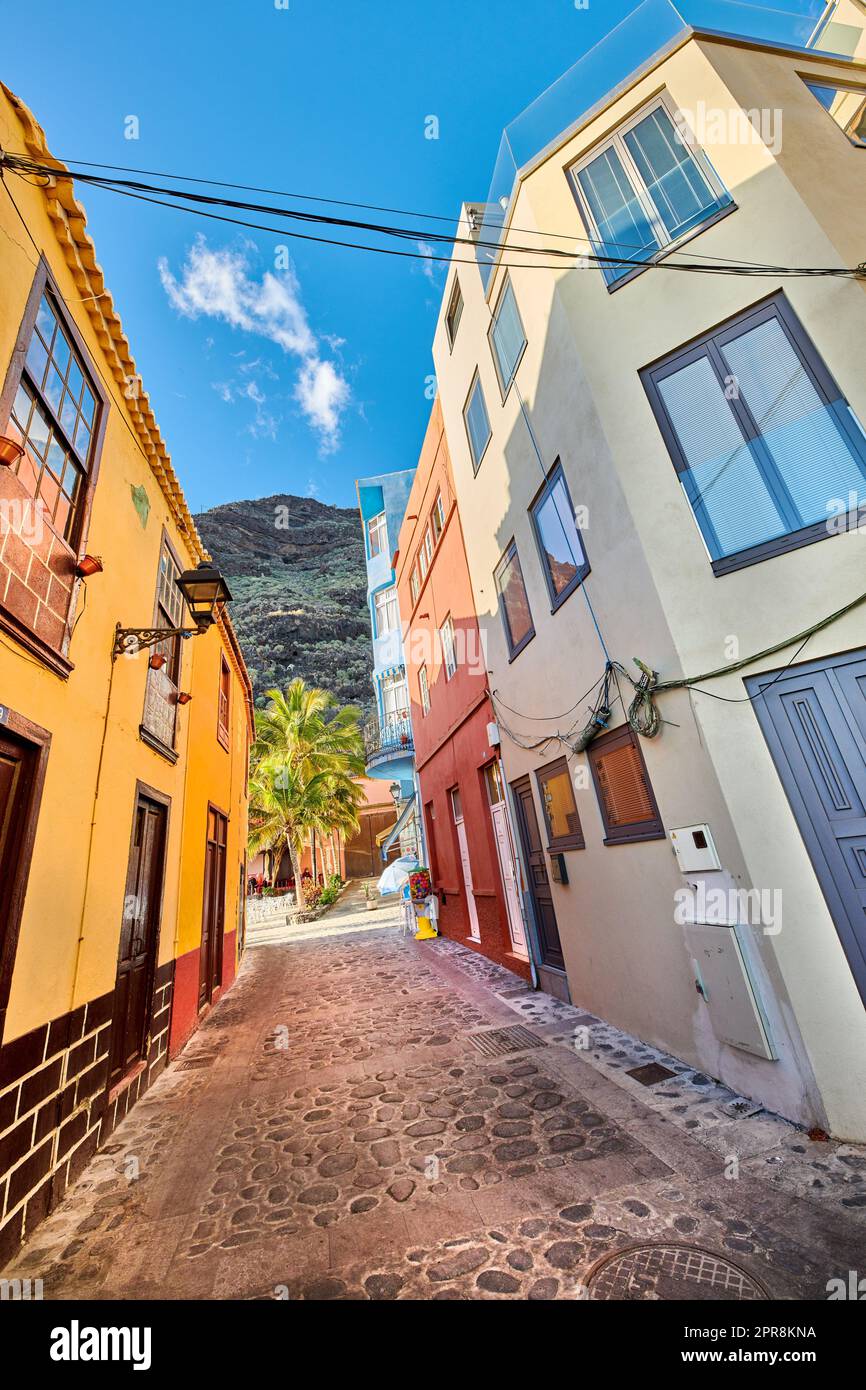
x=16, y=776
x=213, y=907
x=139, y=937
x=23, y=759
x=539, y=882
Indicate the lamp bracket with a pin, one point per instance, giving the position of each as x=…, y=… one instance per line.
x=128, y=641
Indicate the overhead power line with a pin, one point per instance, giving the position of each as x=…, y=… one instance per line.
x=168, y=197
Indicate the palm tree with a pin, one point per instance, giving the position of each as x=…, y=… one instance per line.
x=306, y=753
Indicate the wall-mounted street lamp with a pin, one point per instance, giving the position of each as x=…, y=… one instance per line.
x=206, y=594
x=396, y=791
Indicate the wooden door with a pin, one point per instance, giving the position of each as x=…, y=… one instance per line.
x=505, y=855
x=539, y=881
x=213, y=906
x=16, y=777
x=465, y=864
x=814, y=720
x=139, y=938
x=23, y=759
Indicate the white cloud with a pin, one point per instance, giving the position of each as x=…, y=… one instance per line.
x=218, y=284
x=323, y=395
x=427, y=263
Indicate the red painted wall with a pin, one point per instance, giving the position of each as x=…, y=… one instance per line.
x=451, y=742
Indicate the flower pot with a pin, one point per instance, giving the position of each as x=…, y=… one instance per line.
x=371, y=903
x=10, y=451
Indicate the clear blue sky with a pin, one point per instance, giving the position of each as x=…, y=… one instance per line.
x=300, y=383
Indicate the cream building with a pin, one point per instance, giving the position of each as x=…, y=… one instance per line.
x=669, y=464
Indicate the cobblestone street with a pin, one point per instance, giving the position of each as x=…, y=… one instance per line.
x=367, y=1117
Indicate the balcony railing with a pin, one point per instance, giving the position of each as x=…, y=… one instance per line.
x=393, y=734
x=649, y=29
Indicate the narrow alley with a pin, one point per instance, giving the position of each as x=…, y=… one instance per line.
x=367, y=1117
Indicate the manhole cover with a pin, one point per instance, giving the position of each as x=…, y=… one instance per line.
x=671, y=1271
x=650, y=1073
x=498, y=1042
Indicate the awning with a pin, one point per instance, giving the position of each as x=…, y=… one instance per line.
x=403, y=820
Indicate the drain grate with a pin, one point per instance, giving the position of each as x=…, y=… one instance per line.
x=671, y=1271
x=650, y=1073
x=498, y=1042
x=195, y=1063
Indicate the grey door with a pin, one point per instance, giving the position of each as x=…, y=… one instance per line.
x=814, y=720
x=539, y=882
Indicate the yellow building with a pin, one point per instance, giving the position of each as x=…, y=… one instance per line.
x=123, y=774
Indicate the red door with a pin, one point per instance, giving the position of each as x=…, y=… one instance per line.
x=139, y=938
x=213, y=907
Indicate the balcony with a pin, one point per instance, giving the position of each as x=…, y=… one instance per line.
x=388, y=742
x=652, y=29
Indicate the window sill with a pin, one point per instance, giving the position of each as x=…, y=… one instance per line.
x=635, y=838
x=573, y=842
x=170, y=754
x=670, y=250
x=45, y=655
x=843, y=524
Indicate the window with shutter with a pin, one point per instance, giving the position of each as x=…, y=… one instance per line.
x=625, y=797
x=224, y=698
x=557, y=802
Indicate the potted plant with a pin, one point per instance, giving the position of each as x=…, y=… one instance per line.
x=370, y=895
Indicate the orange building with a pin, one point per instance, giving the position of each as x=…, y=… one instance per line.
x=469, y=835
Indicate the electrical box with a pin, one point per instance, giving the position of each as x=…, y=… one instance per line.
x=558, y=871
x=723, y=978
x=493, y=737
x=694, y=849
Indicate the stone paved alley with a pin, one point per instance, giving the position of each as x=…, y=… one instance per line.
x=348, y=1125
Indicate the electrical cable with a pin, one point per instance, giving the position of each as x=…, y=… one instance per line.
x=339, y=202
x=367, y=207
x=144, y=192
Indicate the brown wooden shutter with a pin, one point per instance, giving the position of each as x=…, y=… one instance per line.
x=627, y=802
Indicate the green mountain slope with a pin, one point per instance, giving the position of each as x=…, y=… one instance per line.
x=296, y=571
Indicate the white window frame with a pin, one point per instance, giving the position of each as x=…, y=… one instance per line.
x=396, y=685
x=428, y=544
x=414, y=584
x=385, y=603
x=617, y=141
x=505, y=386
x=424, y=688
x=377, y=526
x=437, y=517
x=449, y=653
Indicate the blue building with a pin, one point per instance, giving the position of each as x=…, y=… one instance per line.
x=388, y=735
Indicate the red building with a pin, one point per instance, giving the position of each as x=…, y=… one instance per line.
x=466, y=819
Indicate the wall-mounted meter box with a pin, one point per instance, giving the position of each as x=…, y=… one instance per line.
x=694, y=849
x=726, y=984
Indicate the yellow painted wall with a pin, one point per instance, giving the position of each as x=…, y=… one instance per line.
x=67, y=947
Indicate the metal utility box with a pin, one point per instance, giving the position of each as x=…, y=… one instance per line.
x=694, y=849
x=726, y=985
